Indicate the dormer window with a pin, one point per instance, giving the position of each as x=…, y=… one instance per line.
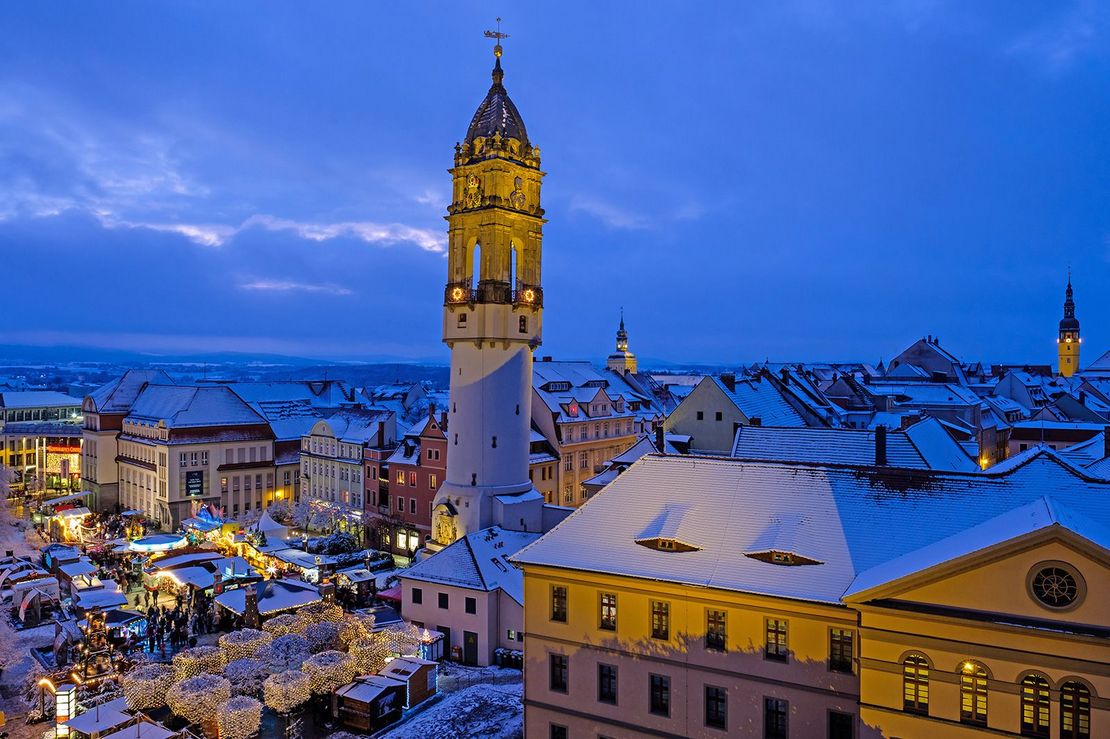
x=667, y=544
x=777, y=557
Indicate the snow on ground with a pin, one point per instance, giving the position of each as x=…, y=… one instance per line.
x=484, y=710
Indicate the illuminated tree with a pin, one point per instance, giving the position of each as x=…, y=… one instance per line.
x=244, y=643
x=286, y=623
x=198, y=660
x=195, y=699
x=322, y=636
x=285, y=691
x=145, y=687
x=239, y=717
x=246, y=675
x=328, y=670
x=286, y=652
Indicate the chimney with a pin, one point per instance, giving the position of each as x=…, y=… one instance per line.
x=381, y=435
x=443, y=421
x=1106, y=442
x=729, y=380
x=660, y=440
x=432, y=411
x=755, y=421
x=880, y=446
x=1082, y=397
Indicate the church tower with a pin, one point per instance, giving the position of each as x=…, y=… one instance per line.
x=1068, y=342
x=622, y=360
x=492, y=318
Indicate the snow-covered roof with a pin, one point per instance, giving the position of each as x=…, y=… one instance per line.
x=190, y=407
x=365, y=689
x=850, y=519
x=357, y=425
x=757, y=398
x=118, y=395
x=74, y=569
x=1042, y=513
x=925, y=445
x=478, y=561
x=142, y=730
x=97, y=720
x=273, y=596
x=36, y=399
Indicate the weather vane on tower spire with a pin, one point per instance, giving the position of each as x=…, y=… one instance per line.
x=497, y=36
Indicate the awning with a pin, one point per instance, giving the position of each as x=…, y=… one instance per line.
x=131, y=513
x=67, y=498
x=393, y=593
x=74, y=512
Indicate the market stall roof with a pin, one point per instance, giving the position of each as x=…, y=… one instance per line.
x=142, y=730
x=67, y=498
x=366, y=689
x=393, y=593
x=158, y=543
x=274, y=596
x=97, y=720
x=131, y=513
x=180, y=560
x=116, y=617
x=357, y=574
x=81, y=567
x=74, y=512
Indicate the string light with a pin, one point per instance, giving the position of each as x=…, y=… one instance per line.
x=195, y=699
x=285, y=691
x=198, y=660
x=145, y=687
x=244, y=643
x=328, y=670
x=239, y=717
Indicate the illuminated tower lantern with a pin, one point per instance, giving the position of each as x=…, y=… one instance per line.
x=622, y=360
x=1067, y=344
x=491, y=320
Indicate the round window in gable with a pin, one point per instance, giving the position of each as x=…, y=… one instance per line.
x=1056, y=585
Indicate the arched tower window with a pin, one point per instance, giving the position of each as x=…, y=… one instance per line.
x=973, y=694
x=1034, y=706
x=915, y=684
x=513, y=263
x=476, y=266
x=1075, y=710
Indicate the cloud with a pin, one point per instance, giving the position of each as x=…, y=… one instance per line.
x=1056, y=46
x=610, y=215
x=290, y=286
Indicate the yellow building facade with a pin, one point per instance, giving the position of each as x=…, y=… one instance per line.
x=701, y=597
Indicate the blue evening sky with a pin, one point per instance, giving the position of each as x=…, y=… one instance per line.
x=789, y=180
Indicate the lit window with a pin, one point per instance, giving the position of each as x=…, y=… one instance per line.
x=973, y=694
x=1034, y=706
x=660, y=620
x=915, y=684
x=775, y=647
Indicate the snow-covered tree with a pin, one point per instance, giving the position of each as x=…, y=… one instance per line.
x=145, y=687
x=239, y=717
x=195, y=699
x=246, y=675
x=191, y=662
x=286, y=623
x=322, y=636
x=286, y=690
x=244, y=643
x=328, y=670
x=286, y=652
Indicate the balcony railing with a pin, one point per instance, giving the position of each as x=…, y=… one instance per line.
x=493, y=291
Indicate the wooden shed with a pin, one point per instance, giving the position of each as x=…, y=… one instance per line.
x=418, y=675
x=370, y=702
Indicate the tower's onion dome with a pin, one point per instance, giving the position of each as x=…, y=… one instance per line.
x=497, y=114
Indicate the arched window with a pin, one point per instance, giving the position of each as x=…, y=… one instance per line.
x=973, y=694
x=1034, y=706
x=1075, y=711
x=476, y=266
x=513, y=264
x=915, y=684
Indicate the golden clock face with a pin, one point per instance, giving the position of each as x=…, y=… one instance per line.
x=529, y=295
x=457, y=293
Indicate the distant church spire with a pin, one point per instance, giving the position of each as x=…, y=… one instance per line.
x=622, y=360
x=1068, y=341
